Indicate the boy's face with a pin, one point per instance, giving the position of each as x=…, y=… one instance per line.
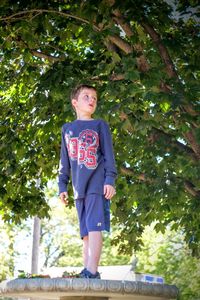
x=86, y=102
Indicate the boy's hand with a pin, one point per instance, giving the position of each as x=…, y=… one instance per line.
x=64, y=198
x=109, y=191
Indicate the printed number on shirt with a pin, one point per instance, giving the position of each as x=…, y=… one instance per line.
x=84, y=148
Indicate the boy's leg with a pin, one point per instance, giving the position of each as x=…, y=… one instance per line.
x=94, y=216
x=95, y=247
x=97, y=220
x=85, y=251
x=80, y=206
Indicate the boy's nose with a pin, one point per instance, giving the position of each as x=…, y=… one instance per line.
x=91, y=100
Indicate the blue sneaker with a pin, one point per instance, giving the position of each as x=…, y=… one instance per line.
x=82, y=272
x=87, y=274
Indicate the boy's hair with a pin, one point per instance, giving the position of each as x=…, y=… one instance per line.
x=77, y=90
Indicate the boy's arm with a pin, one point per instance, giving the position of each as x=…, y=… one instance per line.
x=64, y=167
x=107, y=150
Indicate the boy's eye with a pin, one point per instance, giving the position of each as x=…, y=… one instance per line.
x=86, y=97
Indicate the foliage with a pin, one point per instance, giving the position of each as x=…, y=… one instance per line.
x=72, y=274
x=168, y=255
x=7, y=253
x=24, y=275
x=143, y=59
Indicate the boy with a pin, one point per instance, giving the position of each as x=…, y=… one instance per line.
x=87, y=152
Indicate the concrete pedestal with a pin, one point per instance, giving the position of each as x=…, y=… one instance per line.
x=85, y=289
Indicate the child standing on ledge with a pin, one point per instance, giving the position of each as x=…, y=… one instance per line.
x=87, y=154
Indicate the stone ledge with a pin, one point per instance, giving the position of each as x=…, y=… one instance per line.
x=57, y=288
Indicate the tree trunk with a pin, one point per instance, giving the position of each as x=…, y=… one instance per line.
x=35, y=246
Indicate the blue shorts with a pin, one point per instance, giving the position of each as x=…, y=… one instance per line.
x=93, y=213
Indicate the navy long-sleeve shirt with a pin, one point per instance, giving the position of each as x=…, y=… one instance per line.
x=86, y=155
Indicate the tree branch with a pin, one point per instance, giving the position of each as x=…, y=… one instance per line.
x=117, y=77
x=18, y=15
x=119, y=19
x=142, y=63
x=41, y=54
x=170, y=68
x=45, y=56
x=120, y=43
x=61, y=254
x=162, y=50
x=177, y=144
x=190, y=188
x=130, y=172
x=157, y=133
x=189, y=135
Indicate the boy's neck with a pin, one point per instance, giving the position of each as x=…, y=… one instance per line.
x=84, y=119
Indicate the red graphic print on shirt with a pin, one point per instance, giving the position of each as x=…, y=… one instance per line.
x=84, y=148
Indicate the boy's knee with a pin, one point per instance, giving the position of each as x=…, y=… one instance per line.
x=85, y=238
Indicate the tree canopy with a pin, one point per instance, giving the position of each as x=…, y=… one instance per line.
x=167, y=255
x=143, y=59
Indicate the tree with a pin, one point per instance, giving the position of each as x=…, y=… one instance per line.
x=8, y=234
x=35, y=246
x=168, y=255
x=143, y=59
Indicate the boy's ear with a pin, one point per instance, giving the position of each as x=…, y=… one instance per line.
x=74, y=101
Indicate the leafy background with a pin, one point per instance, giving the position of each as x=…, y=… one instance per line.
x=143, y=59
